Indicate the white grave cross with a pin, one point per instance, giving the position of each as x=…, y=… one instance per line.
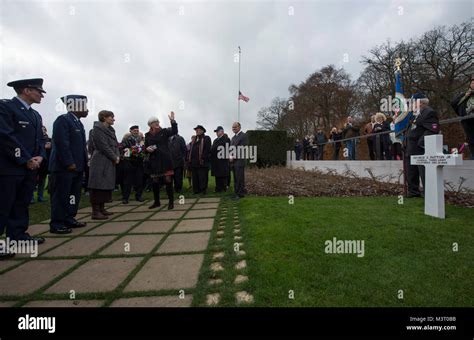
x=433, y=161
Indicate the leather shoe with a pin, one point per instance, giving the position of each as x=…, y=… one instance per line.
x=5, y=256
x=60, y=230
x=76, y=224
x=124, y=201
x=170, y=205
x=154, y=205
x=139, y=199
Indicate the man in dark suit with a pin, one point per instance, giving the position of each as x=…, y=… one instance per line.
x=178, y=154
x=425, y=123
x=239, y=139
x=21, y=154
x=67, y=163
x=219, y=163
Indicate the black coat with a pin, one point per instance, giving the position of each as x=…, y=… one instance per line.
x=68, y=144
x=178, y=150
x=203, y=159
x=220, y=166
x=160, y=160
x=21, y=137
x=426, y=123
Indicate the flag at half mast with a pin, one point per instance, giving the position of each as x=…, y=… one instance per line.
x=242, y=97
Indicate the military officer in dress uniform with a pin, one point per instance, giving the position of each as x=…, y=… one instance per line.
x=67, y=163
x=21, y=153
x=425, y=123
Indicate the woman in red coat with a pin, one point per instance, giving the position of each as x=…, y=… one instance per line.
x=160, y=164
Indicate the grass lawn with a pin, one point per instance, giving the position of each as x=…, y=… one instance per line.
x=404, y=250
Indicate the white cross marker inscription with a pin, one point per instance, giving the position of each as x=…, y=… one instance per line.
x=434, y=160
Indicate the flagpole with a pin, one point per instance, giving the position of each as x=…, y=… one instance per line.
x=238, y=97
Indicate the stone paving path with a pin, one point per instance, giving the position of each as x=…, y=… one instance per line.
x=139, y=257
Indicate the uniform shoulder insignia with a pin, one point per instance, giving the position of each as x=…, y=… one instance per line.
x=5, y=100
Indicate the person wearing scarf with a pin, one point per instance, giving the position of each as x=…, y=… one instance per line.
x=159, y=164
x=199, y=158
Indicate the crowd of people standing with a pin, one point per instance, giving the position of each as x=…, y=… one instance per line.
x=159, y=158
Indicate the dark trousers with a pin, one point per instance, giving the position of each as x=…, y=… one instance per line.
x=178, y=178
x=414, y=172
x=132, y=177
x=239, y=180
x=337, y=147
x=65, y=190
x=221, y=183
x=200, y=179
x=156, y=190
x=321, y=152
x=41, y=184
x=370, y=144
x=468, y=126
x=14, y=201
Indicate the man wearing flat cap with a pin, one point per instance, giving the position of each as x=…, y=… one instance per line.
x=425, y=123
x=67, y=164
x=199, y=158
x=21, y=154
x=220, y=167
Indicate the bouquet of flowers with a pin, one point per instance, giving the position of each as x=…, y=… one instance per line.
x=136, y=151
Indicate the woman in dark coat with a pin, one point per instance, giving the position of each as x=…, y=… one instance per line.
x=383, y=147
x=220, y=167
x=159, y=164
x=105, y=155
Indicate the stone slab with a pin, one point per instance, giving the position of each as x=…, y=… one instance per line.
x=154, y=301
x=168, y=215
x=98, y=275
x=182, y=206
x=205, y=206
x=49, y=243
x=80, y=246
x=167, y=272
x=145, y=208
x=121, y=208
x=153, y=227
x=201, y=213
x=133, y=216
x=112, y=227
x=176, y=243
x=64, y=303
x=7, y=264
x=32, y=275
x=36, y=229
x=186, y=200
x=209, y=200
x=6, y=304
x=204, y=224
x=132, y=244
x=75, y=231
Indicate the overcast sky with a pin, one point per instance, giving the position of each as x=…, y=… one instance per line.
x=146, y=58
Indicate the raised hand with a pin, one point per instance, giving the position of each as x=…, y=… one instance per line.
x=171, y=115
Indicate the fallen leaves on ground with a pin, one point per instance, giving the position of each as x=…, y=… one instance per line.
x=281, y=181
